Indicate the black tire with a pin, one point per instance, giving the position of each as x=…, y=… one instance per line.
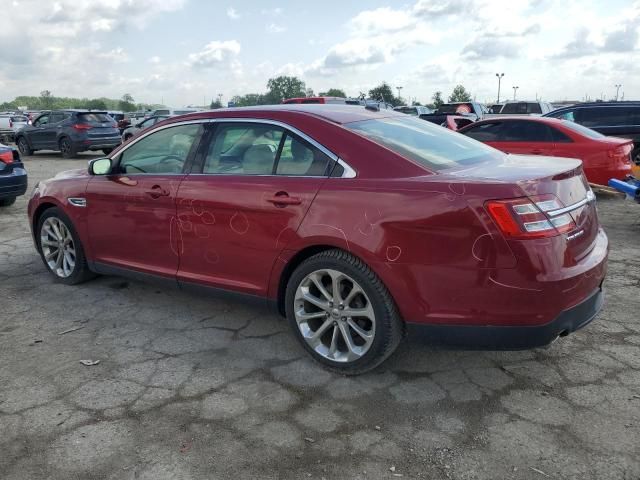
x=66, y=148
x=107, y=151
x=23, y=147
x=5, y=202
x=389, y=328
x=80, y=272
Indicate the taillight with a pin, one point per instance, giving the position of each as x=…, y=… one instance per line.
x=529, y=218
x=621, y=153
x=82, y=127
x=10, y=123
x=6, y=157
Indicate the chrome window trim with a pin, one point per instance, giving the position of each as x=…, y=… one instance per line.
x=560, y=211
x=349, y=172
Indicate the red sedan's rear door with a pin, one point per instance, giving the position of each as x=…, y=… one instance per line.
x=257, y=183
x=524, y=137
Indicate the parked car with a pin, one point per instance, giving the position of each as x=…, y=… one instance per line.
x=415, y=110
x=172, y=112
x=525, y=108
x=322, y=100
x=70, y=132
x=470, y=110
x=149, y=122
x=13, y=176
x=10, y=124
x=422, y=230
x=617, y=119
x=495, y=108
x=602, y=157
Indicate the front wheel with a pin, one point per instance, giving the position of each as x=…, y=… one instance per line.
x=60, y=248
x=23, y=147
x=342, y=313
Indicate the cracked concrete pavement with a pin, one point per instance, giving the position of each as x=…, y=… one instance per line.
x=190, y=387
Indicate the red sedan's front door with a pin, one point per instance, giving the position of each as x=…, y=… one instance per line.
x=239, y=214
x=132, y=211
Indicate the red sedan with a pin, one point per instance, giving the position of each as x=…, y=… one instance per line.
x=602, y=157
x=360, y=226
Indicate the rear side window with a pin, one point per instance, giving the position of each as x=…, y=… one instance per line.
x=604, y=116
x=559, y=137
x=429, y=145
x=459, y=108
x=312, y=100
x=522, y=131
x=19, y=119
x=94, y=118
x=486, y=132
x=299, y=158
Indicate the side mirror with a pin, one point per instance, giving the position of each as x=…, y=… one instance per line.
x=100, y=166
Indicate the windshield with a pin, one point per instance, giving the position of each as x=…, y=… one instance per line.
x=94, y=117
x=407, y=110
x=587, y=132
x=459, y=108
x=433, y=147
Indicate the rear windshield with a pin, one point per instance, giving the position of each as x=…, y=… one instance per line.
x=94, y=117
x=587, y=132
x=431, y=146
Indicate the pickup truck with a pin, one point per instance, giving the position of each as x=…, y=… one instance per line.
x=520, y=108
x=455, y=115
x=10, y=124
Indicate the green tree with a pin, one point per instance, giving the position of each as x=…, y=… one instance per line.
x=249, y=100
x=283, y=87
x=95, y=104
x=127, y=103
x=437, y=99
x=46, y=99
x=334, y=92
x=215, y=104
x=384, y=92
x=460, y=94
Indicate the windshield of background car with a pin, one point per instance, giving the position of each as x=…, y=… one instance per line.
x=430, y=145
x=407, y=110
x=587, y=132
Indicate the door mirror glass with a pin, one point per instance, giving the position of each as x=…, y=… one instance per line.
x=100, y=166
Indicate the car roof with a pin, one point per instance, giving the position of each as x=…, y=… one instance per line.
x=333, y=113
x=624, y=103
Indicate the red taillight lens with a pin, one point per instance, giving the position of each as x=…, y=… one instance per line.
x=528, y=218
x=621, y=153
x=6, y=157
x=82, y=127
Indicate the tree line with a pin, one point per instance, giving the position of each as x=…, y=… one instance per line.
x=278, y=89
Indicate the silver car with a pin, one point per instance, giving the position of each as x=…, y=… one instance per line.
x=143, y=125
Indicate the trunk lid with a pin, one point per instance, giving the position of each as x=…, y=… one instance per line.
x=539, y=176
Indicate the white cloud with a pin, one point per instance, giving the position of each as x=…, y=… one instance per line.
x=214, y=53
x=275, y=28
x=155, y=60
x=232, y=13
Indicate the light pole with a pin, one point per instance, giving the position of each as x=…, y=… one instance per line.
x=399, y=97
x=618, y=85
x=514, y=92
x=499, y=80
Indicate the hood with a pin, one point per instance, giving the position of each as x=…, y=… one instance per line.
x=76, y=173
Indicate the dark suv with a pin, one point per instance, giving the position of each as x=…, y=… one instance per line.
x=614, y=119
x=70, y=132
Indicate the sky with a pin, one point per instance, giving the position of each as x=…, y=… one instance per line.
x=186, y=52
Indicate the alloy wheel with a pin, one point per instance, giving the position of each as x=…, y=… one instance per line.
x=65, y=146
x=334, y=315
x=57, y=246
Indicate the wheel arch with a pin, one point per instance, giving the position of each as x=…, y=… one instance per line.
x=39, y=211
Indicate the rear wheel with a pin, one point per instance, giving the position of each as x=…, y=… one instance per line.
x=23, y=147
x=60, y=248
x=5, y=202
x=66, y=148
x=342, y=313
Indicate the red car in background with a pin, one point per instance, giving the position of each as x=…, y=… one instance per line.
x=358, y=225
x=602, y=157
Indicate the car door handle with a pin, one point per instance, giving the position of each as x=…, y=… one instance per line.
x=157, y=191
x=282, y=200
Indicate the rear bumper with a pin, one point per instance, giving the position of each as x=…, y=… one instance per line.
x=97, y=144
x=511, y=337
x=14, y=184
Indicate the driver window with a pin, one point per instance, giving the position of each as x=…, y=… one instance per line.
x=162, y=152
x=42, y=121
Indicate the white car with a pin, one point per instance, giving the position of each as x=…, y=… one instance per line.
x=10, y=124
